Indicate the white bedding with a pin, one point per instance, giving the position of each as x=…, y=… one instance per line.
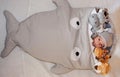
x=20, y=64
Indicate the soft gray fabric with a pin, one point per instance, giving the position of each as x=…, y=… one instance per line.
x=94, y=21
x=49, y=36
x=108, y=38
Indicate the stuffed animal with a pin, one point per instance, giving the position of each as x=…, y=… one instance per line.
x=94, y=21
x=102, y=68
x=105, y=24
x=102, y=55
x=103, y=15
x=102, y=39
x=100, y=21
x=59, y=36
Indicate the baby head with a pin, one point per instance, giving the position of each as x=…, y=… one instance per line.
x=102, y=40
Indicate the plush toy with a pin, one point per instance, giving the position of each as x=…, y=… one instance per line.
x=94, y=21
x=105, y=24
x=100, y=21
x=102, y=55
x=102, y=68
x=103, y=15
x=102, y=39
x=59, y=36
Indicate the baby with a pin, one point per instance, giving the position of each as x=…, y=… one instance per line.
x=102, y=40
x=102, y=43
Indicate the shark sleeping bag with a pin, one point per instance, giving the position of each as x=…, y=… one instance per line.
x=59, y=36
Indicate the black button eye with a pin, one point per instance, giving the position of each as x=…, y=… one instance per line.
x=77, y=23
x=77, y=53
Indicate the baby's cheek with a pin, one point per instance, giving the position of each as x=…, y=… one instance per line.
x=94, y=43
x=97, y=45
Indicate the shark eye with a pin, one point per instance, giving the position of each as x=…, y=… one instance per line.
x=75, y=54
x=75, y=23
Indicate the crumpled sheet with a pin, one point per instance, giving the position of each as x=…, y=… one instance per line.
x=20, y=64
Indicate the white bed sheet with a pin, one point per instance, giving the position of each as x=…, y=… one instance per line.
x=20, y=64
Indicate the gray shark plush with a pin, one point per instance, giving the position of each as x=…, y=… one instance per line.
x=59, y=36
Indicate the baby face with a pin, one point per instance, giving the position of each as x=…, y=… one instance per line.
x=98, y=42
